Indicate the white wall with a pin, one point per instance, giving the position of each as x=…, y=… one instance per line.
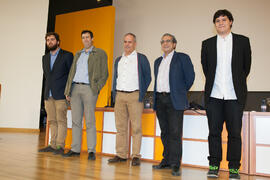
x=191, y=22
x=23, y=27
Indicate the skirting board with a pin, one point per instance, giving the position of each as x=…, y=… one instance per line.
x=19, y=130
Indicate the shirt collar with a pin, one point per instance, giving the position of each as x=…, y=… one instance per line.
x=228, y=37
x=90, y=50
x=169, y=55
x=132, y=54
x=55, y=53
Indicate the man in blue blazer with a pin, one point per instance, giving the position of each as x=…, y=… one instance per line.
x=132, y=76
x=56, y=66
x=174, y=75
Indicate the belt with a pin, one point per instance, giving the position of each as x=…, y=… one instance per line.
x=80, y=83
x=126, y=91
x=163, y=93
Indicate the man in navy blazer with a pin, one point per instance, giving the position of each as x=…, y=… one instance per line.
x=132, y=76
x=174, y=76
x=56, y=65
x=226, y=61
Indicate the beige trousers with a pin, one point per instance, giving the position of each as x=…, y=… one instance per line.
x=57, y=118
x=83, y=102
x=127, y=107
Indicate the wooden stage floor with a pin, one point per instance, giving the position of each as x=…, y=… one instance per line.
x=20, y=160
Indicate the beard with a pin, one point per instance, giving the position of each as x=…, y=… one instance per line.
x=52, y=48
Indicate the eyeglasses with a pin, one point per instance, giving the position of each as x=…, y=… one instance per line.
x=167, y=41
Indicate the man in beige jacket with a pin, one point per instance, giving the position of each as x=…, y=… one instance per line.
x=87, y=76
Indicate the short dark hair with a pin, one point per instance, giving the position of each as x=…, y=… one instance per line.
x=52, y=34
x=87, y=31
x=131, y=34
x=172, y=36
x=223, y=12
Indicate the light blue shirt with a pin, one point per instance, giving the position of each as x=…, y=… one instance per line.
x=53, y=58
x=81, y=75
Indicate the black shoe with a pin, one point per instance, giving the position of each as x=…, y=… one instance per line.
x=175, y=171
x=71, y=153
x=161, y=166
x=234, y=174
x=47, y=149
x=213, y=172
x=135, y=161
x=91, y=156
x=59, y=151
x=116, y=159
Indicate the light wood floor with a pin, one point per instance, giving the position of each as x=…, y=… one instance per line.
x=19, y=159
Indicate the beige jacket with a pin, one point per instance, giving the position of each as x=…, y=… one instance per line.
x=97, y=70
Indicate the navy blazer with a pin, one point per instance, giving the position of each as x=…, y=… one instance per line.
x=55, y=79
x=181, y=78
x=144, y=72
x=241, y=62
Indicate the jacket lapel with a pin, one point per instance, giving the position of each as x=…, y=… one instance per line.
x=172, y=62
x=91, y=56
x=234, y=49
x=214, y=51
x=57, y=60
x=158, y=64
x=48, y=62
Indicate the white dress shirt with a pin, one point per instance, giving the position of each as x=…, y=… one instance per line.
x=163, y=84
x=127, y=77
x=223, y=85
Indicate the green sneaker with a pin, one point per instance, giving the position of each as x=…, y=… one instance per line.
x=213, y=172
x=234, y=174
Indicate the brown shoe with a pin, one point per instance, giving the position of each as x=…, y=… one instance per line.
x=116, y=159
x=135, y=161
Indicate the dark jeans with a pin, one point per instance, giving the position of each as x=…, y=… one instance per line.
x=219, y=111
x=171, y=125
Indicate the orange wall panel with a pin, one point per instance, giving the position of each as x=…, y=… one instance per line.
x=99, y=142
x=68, y=139
x=101, y=22
x=99, y=120
x=158, y=149
x=148, y=124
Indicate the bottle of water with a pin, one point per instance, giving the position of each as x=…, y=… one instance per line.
x=263, y=106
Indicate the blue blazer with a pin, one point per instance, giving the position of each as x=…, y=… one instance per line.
x=55, y=79
x=144, y=72
x=181, y=78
